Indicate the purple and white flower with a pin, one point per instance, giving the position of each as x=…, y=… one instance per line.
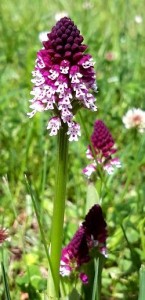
x=64, y=77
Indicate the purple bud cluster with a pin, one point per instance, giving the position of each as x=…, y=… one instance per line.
x=65, y=41
x=102, y=140
x=63, y=78
x=103, y=147
x=91, y=234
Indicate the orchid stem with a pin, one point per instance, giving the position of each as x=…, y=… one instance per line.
x=58, y=214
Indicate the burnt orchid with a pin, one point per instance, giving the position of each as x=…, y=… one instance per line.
x=91, y=234
x=64, y=81
x=102, y=150
x=64, y=78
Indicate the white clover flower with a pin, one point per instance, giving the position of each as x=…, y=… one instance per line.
x=87, y=5
x=43, y=36
x=60, y=15
x=138, y=19
x=135, y=118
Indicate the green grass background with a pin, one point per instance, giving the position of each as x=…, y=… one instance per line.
x=26, y=147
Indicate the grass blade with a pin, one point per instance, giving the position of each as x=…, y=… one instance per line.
x=98, y=267
x=38, y=219
x=7, y=291
x=95, y=292
x=142, y=283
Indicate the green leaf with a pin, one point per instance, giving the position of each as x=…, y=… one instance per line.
x=92, y=197
x=93, y=269
x=33, y=278
x=7, y=291
x=74, y=295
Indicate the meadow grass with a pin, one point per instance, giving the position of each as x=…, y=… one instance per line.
x=26, y=148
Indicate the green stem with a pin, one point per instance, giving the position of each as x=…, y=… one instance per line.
x=92, y=290
x=98, y=264
x=141, y=283
x=58, y=214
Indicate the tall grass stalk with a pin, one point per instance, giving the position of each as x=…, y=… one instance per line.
x=39, y=221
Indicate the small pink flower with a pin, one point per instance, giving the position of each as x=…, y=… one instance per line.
x=63, y=76
x=84, y=278
x=89, y=169
x=110, y=56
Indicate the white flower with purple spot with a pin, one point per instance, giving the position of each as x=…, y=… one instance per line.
x=73, y=131
x=54, y=125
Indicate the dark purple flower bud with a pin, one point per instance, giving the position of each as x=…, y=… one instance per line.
x=65, y=50
x=95, y=225
x=91, y=234
x=103, y=148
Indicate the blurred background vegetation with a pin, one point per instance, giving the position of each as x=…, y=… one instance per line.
x=114, y=32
